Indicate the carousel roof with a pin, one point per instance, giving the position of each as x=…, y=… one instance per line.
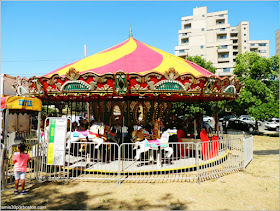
x=132, y=56
x=132, y=69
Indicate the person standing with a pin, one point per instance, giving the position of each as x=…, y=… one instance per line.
x=20, y=165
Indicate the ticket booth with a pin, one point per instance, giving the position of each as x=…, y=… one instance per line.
x=22, y=119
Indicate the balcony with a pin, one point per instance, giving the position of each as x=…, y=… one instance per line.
x=221, y=32
x=184, y=43
x=233, y=38
x=223, y=57
x=181, y=54
x=222, y=74
x=222, y=37
x=234, y=42
x=187, y=21
x=222, y=50
x=220, y=21
x=254, y=46
x=187, y=26
x=185, y=35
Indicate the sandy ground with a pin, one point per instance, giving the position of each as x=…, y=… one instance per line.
x=256, y=188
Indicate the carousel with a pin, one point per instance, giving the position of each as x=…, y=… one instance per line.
x=126, y=86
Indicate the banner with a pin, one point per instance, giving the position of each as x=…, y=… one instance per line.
x=57, y=141
x=22, y=103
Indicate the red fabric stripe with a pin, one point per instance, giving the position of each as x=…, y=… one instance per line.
x=203, y=71
x=140, y=60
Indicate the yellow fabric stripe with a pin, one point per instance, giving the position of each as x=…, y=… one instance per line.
x=170, y=60
x=101, y=59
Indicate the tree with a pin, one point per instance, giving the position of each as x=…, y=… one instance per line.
x=260, y=94
x=202, y=63
x=183, y=109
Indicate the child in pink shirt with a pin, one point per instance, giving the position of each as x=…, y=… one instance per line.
x=20, y=165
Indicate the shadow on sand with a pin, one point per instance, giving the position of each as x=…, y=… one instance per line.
x=52, y=199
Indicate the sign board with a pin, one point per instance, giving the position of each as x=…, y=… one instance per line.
x=23, y=103
x=57, y=141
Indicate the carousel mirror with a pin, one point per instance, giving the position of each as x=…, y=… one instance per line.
x=117, y=114
x=140, y=113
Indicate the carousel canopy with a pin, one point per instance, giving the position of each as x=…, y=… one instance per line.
x=132, y=56
x=131, y=70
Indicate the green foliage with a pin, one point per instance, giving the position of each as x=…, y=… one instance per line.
x=49, y=112
x=186, y=109
x=202, y=63
x=260, y=94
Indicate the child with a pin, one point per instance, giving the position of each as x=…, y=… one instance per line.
x=20, y=161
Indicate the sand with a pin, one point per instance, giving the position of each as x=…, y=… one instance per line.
x=256, y=188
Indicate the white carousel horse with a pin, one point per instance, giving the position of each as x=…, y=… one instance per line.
x=145, y=145
x=96, y=133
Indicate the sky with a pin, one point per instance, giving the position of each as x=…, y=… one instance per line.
x=38, y=37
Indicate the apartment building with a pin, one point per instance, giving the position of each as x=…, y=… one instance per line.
x=210, y=36
x=277, y=37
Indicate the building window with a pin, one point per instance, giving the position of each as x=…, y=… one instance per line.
x=223, y=47
x=202, y=29
x=201, y=46
x=244, y=28
x=181, y=51
x=226, y=70
x=185, y=41
x=245, y=40
x=187, y=26
x=262, y=51
x=244, y=34
x=252, y=44
x=202, y=55
x=244, y=47
x=262, y=44
x=223, y=55
x=203, y=15
x=222, y=29
x=222, y=37
x=221, y=15
x=185, y=34
x=220, y=22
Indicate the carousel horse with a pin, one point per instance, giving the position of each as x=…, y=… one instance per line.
x=140, y=135
x=97, y=134
x=142, y=144
x=145, y=145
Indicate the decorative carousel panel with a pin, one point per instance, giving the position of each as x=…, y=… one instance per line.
x=117, y=113
x=140, y=113
x=121, y=83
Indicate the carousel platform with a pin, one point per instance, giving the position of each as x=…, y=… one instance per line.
x=142, y=166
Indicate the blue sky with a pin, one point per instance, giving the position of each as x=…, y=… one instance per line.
x=39, y=37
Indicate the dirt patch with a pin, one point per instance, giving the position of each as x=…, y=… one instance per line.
x=256, y=188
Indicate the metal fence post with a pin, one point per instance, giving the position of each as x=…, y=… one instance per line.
x=119, y=165
x=197, y=162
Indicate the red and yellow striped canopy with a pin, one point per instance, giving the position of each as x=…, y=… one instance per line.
x=132, y=56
